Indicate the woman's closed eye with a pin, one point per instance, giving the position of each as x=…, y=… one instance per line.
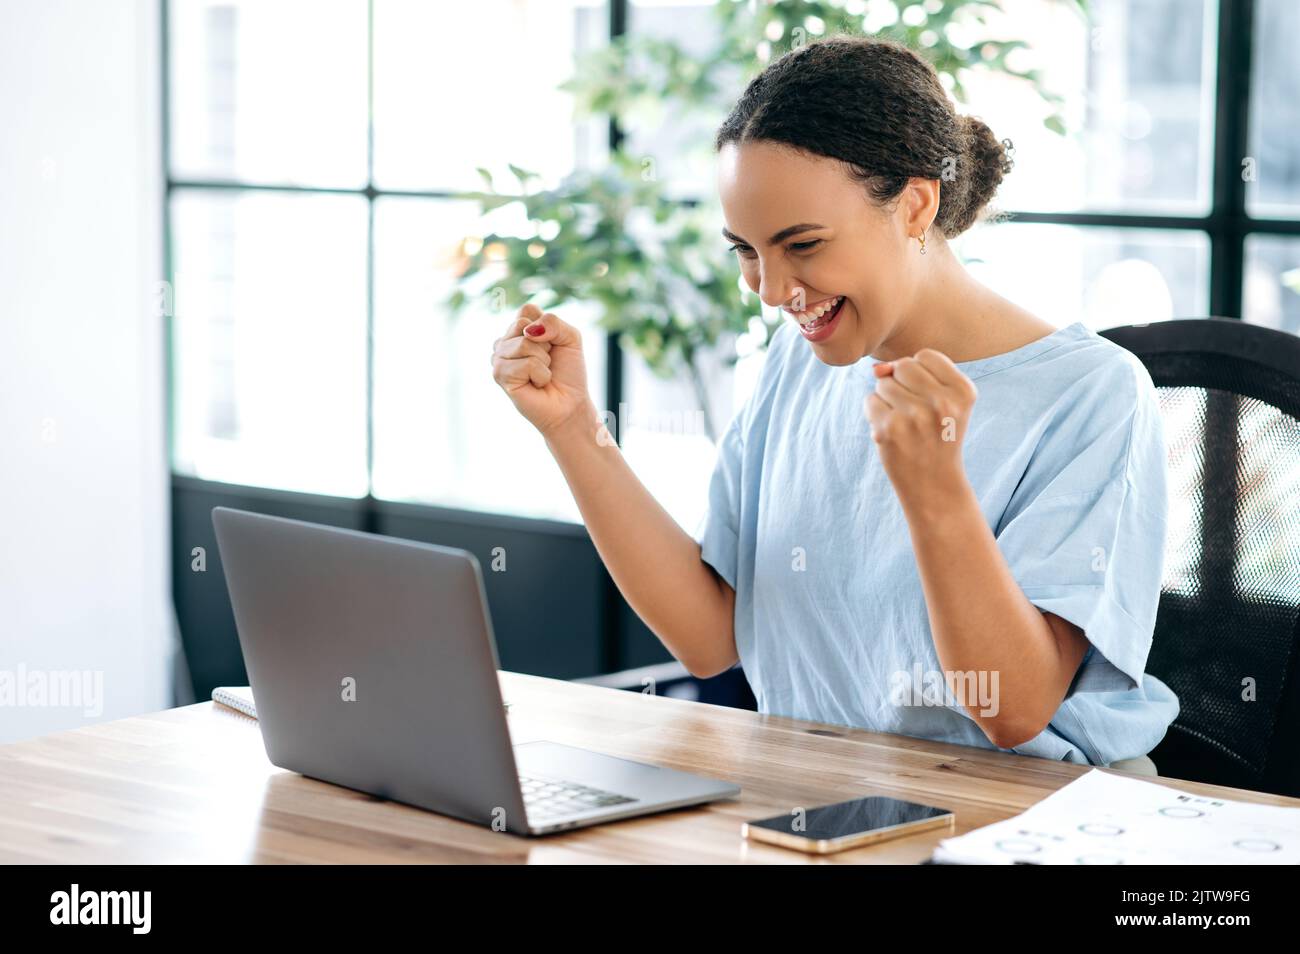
x=794, y=246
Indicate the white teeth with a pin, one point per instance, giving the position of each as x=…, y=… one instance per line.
x=808, y=317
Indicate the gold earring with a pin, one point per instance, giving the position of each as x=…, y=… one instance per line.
x=922, y=238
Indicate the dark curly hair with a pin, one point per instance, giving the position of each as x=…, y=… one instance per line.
x=878, y=107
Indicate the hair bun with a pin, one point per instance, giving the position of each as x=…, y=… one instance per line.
x=987, y=162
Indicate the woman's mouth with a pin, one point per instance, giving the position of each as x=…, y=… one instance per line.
x=818, y=323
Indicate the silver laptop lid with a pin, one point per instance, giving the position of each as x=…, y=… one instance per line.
x=372, y=663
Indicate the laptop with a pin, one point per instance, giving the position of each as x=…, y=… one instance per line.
x=373, y=665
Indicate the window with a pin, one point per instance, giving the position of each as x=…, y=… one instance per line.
x=1273, y=175
x=269, y=347
x=444, y=433
x=1138, y=80
x=268, y=93
x=1101, y=276
x=313, y=146
x=1273, y=281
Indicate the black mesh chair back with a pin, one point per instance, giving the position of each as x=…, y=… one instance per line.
x=1227, y=636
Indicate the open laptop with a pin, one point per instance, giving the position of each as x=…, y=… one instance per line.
x=373, y=665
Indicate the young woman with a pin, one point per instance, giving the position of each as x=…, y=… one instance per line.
x=938, y=514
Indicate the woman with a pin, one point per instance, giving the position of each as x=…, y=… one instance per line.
x=938, y=514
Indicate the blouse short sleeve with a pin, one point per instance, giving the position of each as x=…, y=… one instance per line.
x=1084, y=533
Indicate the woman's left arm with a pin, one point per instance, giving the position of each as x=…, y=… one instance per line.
x=981, y=621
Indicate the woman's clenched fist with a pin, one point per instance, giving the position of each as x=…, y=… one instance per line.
x=918, y=415
x=538, y=363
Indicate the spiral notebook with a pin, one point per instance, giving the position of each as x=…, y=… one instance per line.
x=240, y=698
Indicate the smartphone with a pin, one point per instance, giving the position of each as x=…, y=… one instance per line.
x=851, y=824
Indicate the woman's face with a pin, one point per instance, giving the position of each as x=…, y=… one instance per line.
x=831, y=242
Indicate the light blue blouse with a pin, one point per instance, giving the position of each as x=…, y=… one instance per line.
x=1066, y=455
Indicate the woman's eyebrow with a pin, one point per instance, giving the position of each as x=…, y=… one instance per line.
x=779, y=236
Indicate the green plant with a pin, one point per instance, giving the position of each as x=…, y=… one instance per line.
x=655, y=265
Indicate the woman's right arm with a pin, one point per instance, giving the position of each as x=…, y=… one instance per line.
x=653, y=561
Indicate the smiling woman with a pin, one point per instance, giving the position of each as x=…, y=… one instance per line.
x=856, y=141
x=1008, y=537
x=1017, y=537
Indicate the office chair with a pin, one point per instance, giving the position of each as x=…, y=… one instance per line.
x=1227, y=635
x=672, y=679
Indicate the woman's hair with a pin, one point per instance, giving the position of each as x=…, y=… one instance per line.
x=880, y=108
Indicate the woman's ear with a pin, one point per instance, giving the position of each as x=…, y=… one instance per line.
x=919, y=205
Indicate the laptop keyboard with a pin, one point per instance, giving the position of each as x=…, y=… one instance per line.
x=546, y=798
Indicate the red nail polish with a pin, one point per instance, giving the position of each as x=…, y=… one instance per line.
x=534, y=330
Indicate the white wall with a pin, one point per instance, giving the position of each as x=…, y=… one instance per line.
x=84, y=571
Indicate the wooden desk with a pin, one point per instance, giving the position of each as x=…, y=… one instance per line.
x=193, y=785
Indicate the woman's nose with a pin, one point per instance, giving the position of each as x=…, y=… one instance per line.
x=778, y=292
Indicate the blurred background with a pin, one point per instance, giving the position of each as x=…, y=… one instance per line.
x=255, y=254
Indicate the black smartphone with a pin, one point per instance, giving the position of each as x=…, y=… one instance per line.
x=851, y=824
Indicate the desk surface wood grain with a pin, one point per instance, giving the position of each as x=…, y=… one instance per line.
x=193, y=785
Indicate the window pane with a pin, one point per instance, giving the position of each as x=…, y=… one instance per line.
x=1103, y=277
x=1274, y=187
x=681, y=145
x=661, y=427
x=1272, y=289
x=445, y=432
x=272, y=91
x=1138, y=80
x=269, y=348
x=475, y=85
x=662, y=431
